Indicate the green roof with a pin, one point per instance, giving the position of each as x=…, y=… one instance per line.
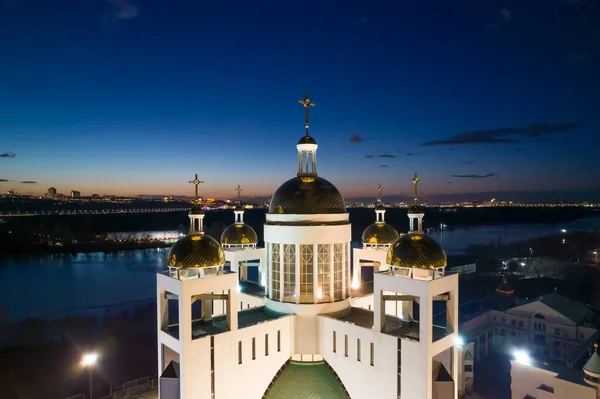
x=593, y=365
x=569, y=308
x=314, y=381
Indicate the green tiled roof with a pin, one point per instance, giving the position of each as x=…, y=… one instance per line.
x=573, y=310
x=593, y=365
x=313, y=381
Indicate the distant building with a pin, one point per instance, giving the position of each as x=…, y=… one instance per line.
x=95, y=196
x=143, y=235
x=533, y=379
x=75, y=194
x=462, y=264
x=51, y=193
x=552, y=328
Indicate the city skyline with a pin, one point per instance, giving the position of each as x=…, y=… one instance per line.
x=115, y=98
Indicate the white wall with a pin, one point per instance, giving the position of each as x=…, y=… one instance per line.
x=360, y=379
x=525, y=380
x=251, y=378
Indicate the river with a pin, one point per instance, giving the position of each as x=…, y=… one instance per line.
x=57, y=285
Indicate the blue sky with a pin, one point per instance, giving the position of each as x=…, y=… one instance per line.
x=134, y=97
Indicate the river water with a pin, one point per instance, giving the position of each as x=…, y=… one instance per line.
x=58, y=285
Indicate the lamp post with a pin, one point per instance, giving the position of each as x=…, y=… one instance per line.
x=89, y=360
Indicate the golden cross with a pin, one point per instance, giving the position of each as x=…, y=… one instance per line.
x=379, y=189
x=307, y=103
x=239, y=190
x=416, y=181
x=195, y=182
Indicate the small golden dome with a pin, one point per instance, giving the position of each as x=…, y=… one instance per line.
x=307, y=140
x=197, y=210
x=239, y=234
x=380, y=234
x=196, y=251
x=415, y=209
x=416, y=251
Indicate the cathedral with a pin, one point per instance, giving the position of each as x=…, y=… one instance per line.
x=308, y=327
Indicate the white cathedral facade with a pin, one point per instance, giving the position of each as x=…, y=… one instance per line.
x=306, y=330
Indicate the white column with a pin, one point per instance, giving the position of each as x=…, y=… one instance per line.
x=281, y=276
x=299, y=162
x=331, y=257
x=420, y=219
x=315, y=274
x=314, y=161
x=269, y=278
x=297, y=271
x=344, y=271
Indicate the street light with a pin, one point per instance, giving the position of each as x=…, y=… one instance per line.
x=522, y=357
x=89, y=360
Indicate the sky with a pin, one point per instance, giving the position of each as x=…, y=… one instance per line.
x=134, y=97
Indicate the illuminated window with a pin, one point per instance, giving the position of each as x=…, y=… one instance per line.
x=337, y=272
x=306, y=274
x=275, y=278
x=289, y=272
x=323, y=270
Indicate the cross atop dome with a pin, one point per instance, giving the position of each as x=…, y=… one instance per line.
x=307, y=104
x=416, y=181
x=239, y=190
x=379, y=188
x=196, y=182
x=307, y=146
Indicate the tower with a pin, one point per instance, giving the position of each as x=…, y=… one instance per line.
x=376, y=240
x=239, y=242
x=307, y=236
x=428, y=365
x=195, y=275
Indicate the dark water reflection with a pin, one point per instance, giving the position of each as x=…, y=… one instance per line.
x=55, y=285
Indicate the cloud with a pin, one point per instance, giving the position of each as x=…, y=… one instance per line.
x=505, y=16
x=7, y=155
x=383, y=166
x=29, y=182
x=369, y=156
x=579, y=58
x=474, y=176
x=448, y=182
x=124, y=9
x=468, y=162
x=386, y=156
x=410, y=154
x=499, y=136
x=356, y=139
x=4, y=180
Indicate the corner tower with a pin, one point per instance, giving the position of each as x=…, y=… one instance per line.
x=307, y=237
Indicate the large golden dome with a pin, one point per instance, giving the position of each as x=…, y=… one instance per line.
x=239, y=234
x=196, y=251
x=307, y=195
x=380, y=234
x=416, y=251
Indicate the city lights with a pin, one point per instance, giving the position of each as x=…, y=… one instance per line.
x=459, y=341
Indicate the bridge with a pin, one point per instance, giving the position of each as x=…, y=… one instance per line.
x=90, y=212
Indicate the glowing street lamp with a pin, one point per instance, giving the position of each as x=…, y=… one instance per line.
x=522, y=357
x=459, y=341
x=89, y=360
